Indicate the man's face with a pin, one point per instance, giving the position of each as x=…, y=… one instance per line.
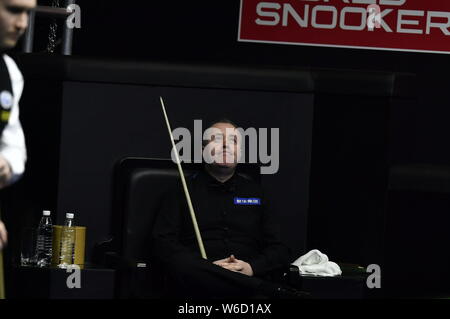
x=13, y=21
x=225, y=145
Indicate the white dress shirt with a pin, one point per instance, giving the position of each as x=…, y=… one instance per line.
x=12, y=141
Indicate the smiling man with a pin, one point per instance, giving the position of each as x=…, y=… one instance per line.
x=13, y=23
x=240, y=233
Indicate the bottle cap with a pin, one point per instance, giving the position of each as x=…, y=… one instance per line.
x=69, y=215
x=46, y=213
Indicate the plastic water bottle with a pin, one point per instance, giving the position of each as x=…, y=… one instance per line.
x=44, y=240
x=67, y=250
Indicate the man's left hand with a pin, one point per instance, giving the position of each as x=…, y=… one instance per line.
x=236, y=265
x=5, y=172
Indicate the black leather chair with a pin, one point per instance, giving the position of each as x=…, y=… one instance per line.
x=139, y=187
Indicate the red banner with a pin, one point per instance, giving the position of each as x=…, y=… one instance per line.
x=399, y=25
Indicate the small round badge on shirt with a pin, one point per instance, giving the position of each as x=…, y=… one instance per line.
x=6, y=100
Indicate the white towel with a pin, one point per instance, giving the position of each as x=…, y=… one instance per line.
x=317, y=264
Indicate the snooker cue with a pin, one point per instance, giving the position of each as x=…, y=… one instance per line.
x=183, y=181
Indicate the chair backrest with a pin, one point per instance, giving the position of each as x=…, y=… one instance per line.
x=141, y=184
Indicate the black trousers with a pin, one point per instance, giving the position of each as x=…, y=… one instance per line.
x=190, y=277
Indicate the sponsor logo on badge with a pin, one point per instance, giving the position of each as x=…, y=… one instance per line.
x=247, y=201
x=6, y=100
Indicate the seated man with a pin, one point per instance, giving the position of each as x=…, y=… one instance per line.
x=241, y=237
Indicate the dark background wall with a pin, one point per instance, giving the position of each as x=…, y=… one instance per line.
x=206, y=31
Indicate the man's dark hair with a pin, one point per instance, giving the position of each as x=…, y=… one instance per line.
x=222, y=120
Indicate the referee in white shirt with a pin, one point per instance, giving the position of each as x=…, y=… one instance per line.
x=13, y=23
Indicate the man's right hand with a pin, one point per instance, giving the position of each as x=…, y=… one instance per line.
x=3, y=236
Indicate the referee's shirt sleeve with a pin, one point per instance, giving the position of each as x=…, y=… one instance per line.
x=12, y=142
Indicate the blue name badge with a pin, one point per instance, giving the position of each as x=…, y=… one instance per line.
x=247, y=201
